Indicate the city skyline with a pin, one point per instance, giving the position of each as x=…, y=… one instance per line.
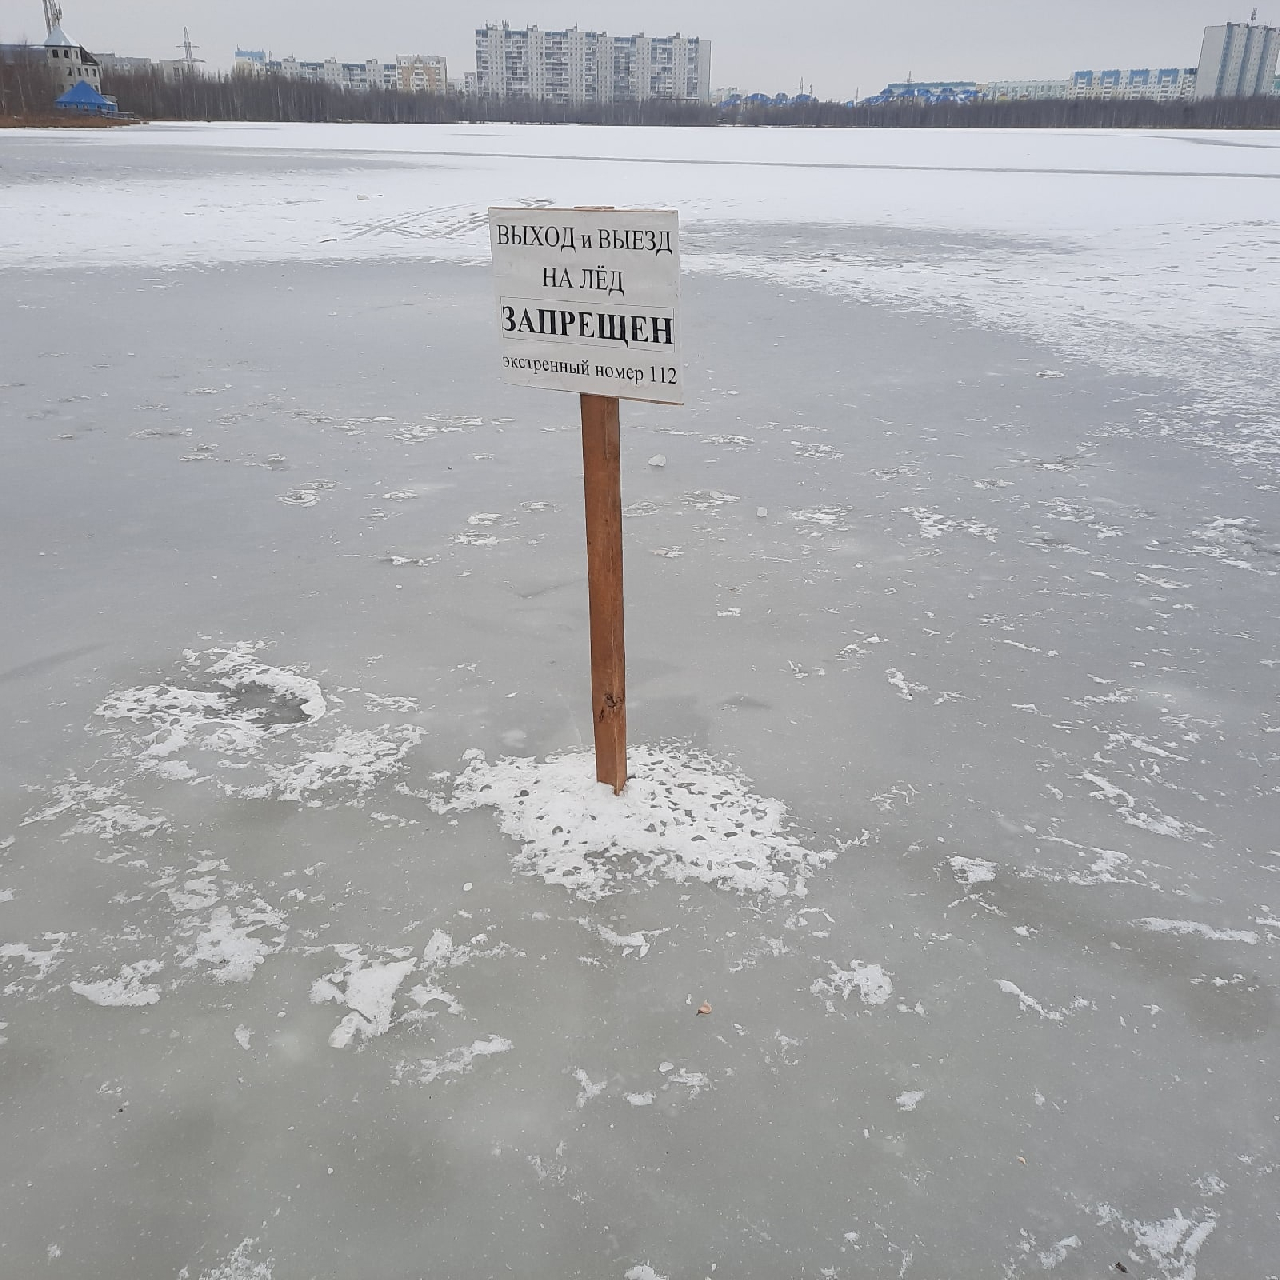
x=838, y=48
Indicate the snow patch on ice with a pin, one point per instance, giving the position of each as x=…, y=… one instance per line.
x=1109, y=866
x=238, y=1265
x=695, y=1081
x=101, y=811
x=356, y=758
x=1170, y=1244
x=1027, y=1004
x=971, y=871
x=1193, y=928
x=457, y=1062
x=682, y=816
x=368, y=989
x=589, y=1089
x=125, y=991
x=906, y=689
x=41, y=961
x=1057, y=1253
x=642, y=1272
x=932, y=524
x=231, y=704
x=228, y=943
x=117, y=820
x=708, y=499
x=1127, y=807
x=872, y=983
x=910, y=1100
x=638, y=941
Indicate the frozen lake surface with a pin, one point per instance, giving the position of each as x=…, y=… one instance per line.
x=953, y=693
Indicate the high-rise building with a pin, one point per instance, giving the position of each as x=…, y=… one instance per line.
x=1237, y=60
x=421, y=73
x=576, y=67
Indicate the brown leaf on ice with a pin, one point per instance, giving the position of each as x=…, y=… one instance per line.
x=704, y=1007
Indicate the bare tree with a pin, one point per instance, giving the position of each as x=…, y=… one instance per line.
x=26, y=87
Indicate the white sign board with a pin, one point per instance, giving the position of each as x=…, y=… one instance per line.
x=589, y=300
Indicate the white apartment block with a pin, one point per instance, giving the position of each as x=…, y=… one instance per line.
x=120, y=64
x=1237, y=60
x=410, y=72
x=1026, y=90
x=576, y=67
x=1165, y=84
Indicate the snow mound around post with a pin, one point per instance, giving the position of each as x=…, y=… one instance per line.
x=682, y=816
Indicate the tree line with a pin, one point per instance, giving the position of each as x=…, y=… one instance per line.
x=274, y=97
x=26, y=89
x=151, y=95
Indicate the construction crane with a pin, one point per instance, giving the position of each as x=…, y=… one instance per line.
x=52, y=15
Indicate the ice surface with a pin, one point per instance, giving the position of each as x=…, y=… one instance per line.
x=964, y=672
x=1169, y=256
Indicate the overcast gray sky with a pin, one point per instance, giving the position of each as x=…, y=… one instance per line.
x=839, y=45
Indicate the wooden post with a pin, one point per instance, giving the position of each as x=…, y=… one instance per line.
x=602, y=482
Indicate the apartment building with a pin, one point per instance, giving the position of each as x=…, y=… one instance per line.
x=421, y=73
x=575, y=67
x=1166, y=84
x=1026, y=90
x=410, y=72
x=1237, y=60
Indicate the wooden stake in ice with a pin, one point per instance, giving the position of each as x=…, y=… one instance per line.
x=602, y=485
x=588, y=301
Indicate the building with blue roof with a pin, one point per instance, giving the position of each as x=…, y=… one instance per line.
x=82, y=97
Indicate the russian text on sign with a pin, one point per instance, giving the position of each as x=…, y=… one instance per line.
x=575, y=285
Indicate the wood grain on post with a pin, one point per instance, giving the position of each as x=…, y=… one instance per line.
x=602, y=482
